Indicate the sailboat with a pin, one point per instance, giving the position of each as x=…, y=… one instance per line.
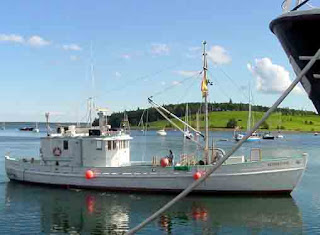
x=279, y=135
x=187, y=134
x=100, y=158
x=254, y=136
x=36, y=129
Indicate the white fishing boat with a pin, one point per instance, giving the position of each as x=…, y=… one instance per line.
x=162, y=132
x=100, y=158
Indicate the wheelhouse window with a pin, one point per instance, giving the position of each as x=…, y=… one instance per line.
x=109, y=145
x=114, y=145
x=99, y=145
x=65, y=145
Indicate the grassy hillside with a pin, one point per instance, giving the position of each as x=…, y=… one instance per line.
x=220, y=120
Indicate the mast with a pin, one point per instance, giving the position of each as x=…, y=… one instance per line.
x=47, y=123
x=249, y=115
x=91, y=101
x=204, y=89
x=186, y=129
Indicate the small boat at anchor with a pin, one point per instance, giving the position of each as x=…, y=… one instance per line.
x=162, y=132
x=268, y=136
x=26, y=129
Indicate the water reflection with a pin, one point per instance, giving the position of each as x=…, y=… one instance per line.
x=82, y=211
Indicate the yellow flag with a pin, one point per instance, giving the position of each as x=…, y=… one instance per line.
x=204, y=85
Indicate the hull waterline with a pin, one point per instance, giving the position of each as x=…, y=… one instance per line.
x=259, y=178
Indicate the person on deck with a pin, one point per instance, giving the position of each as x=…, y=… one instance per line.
x=171, y=158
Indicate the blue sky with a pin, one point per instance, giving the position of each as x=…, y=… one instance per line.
x=140, y=48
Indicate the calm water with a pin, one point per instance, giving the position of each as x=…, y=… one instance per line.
x=34, y=209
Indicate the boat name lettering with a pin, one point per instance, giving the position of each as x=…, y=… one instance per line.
x=278, y=163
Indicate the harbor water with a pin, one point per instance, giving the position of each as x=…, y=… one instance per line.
x=49, y=210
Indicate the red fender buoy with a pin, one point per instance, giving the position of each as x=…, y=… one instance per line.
x=164, y=162
x=89, y=174
x=197, y=175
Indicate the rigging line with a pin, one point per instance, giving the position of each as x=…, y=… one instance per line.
x=300, y=5
x=174, y=124
x=124, y=85
x=233, y=82
x=174, y=85
x=221, y=89
x=187, y=90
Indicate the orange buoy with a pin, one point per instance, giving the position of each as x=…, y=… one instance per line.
x=89, y=174
x=197, y=175
x=164, y=162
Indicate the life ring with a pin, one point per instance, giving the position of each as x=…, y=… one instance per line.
x=56, y=151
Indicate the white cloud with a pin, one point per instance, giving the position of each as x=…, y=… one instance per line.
x=160, y=49
x=218, y=55
x=185, y=73
x=71, y=47
x=118, y=74
x=163, y=83
x=37, y=41
x=176, y=83
x=270, y=78
x=34, y=40
x=126, y=56
x=11, y=38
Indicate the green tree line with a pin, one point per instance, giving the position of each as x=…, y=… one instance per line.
x=151, y=114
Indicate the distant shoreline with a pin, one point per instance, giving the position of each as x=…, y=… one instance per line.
x=231, y=130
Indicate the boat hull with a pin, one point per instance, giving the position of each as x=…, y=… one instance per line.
x=298, y=36
x=259, y=177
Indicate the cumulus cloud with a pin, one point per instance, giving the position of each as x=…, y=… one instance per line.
x=159, y=49
x=37, y=41
x=218, y=55
x=186, y=73
x=270, y=78
x=11, y=38
x=71, y=47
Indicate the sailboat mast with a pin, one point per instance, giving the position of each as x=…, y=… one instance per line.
x=249, y=115
x=205, y=96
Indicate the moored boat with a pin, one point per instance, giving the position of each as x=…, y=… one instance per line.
x=162, y=132
x=268, y=136
x=26, y=129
